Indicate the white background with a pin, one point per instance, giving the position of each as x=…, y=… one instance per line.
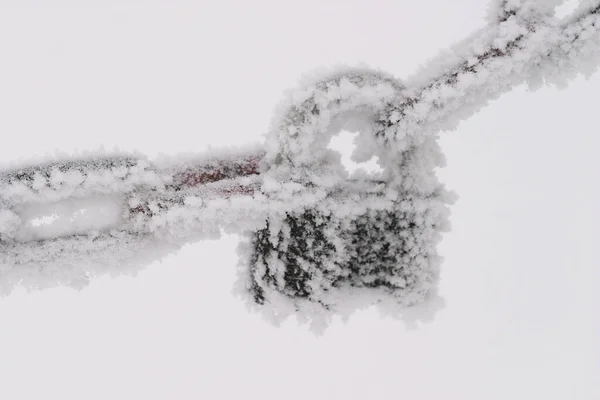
x=521, y=272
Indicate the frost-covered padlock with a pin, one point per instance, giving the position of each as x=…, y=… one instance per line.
x=338, y=242
x=317, y=241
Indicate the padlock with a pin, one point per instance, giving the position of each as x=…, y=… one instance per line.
x=344, y=241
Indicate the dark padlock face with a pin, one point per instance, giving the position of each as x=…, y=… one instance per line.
x=314, y=255
x=305, y=250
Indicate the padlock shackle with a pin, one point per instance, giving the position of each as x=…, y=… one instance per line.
x=305, y=121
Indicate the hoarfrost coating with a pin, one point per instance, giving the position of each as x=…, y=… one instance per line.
x=316, y=241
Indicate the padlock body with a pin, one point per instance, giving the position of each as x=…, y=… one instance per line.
x=315, y=254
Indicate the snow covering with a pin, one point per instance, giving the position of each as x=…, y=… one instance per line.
x=316, y=241
x=62, y=222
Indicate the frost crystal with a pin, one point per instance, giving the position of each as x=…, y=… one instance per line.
x=316, y=241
